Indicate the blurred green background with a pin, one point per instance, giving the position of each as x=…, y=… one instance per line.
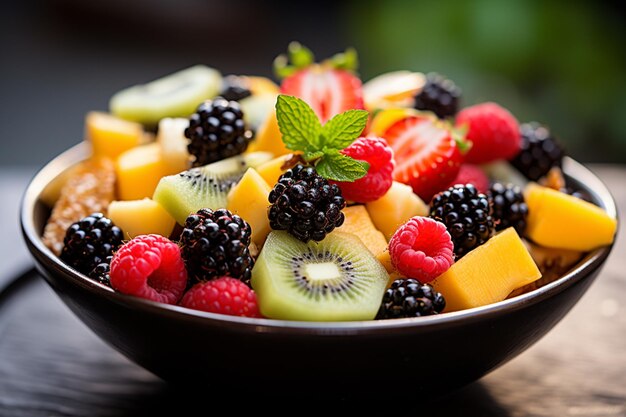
x=560, y=62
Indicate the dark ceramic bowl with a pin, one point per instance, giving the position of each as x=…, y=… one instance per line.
x=437, y=353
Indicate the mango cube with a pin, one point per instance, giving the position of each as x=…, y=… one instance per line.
x=141, y=217
x=271, y=170
x=395, y=208
x=268, y=138
x=139, y=171
x=111, y=136
x=487, y=274
x=249, y=199
x=559, y=220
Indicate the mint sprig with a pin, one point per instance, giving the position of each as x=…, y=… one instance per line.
x=322, y=145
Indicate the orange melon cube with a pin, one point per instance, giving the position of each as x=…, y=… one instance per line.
x=487, y=274
x=269, y=138
x=139, y=170
x=395, y=208
x=271, y=170
x=111, y=136
x=141, y=217
x=249, y=199
x=357, y=222
x=559, y=220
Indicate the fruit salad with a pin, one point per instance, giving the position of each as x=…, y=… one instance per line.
x=322, y=198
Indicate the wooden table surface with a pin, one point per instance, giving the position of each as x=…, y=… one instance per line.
x=52, y=365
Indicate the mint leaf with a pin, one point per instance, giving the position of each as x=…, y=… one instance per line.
x=336, y=166
x=311, y=156
x=298, y=124
x=340, y=131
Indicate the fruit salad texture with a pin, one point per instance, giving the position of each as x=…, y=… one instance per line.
x=320, y=198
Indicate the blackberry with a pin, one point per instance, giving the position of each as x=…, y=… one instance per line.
x=234, y=88
x=439, y=95
x=90, y=241
x=509, y=207
x=215, y=244
x=305, y=204
x=409, y=298
x=467, y=216
x=102, y=271
x=217, y=131
x=540, y=151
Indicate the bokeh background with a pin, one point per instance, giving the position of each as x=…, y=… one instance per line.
x=559, y=62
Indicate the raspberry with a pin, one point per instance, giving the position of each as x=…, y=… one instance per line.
x=150, y=267
x=422, y=249
x=378, y=179
x=472, y=174
x=494, y=132
x=224, y=295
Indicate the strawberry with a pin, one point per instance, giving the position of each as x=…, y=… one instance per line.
x=427, y=154
x=328, y=91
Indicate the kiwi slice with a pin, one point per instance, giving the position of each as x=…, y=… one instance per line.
x=176, y=95
x=336, y=279
x=204, y=187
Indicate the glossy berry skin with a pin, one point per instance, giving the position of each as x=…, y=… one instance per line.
x=101, y=272
x=379, y=177
x=150, y=267
x=467, y=215
x=472, y=174
x=217, y=131
x=90, y=241
x=214, y=244
x=328, y=91
x=540, y=151
x=305, y=204
x=439, y=95
x=509, y=207
x=409, y=298
x=234, y=88
x=493, y=131
x=223, y=295
x=421, y=248
x=427, y=155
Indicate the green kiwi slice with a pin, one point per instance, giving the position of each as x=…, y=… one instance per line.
x=337, y=279
x=176, y=95
x=204, y=187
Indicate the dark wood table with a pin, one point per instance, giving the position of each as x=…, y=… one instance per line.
x=52, y=365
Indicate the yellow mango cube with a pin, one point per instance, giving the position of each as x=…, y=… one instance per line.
x=487, y=274
x=559, y=220
x=139, y=171
x=249, y=199
x=269, y=138
x=141, y=217
x=395, y=208
x=111, y=136
x=271, y=170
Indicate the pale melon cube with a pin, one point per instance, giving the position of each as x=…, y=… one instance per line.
x=395, y=208
x=111, y=136
x=141, y=217
x=171, y=138
x=487, y=274
x=249, y=199
x=358, y=223
x=559, y=220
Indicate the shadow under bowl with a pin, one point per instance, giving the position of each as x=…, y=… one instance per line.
x=434, y=354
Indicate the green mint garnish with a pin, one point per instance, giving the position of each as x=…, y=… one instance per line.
x=299, y=56
x=322, y=145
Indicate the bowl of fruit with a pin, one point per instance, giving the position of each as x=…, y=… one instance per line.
x=325, y=230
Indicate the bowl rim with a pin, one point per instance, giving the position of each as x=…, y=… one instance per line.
x=77, y=153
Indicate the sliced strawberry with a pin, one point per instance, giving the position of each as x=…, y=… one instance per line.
x=328, y=91
x=427, y=156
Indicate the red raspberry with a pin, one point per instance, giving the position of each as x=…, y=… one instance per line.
x=378, y=180
x=223, y=295
x=421, y=249
x=472, y=174
x=149, y=267
x=493, y=131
